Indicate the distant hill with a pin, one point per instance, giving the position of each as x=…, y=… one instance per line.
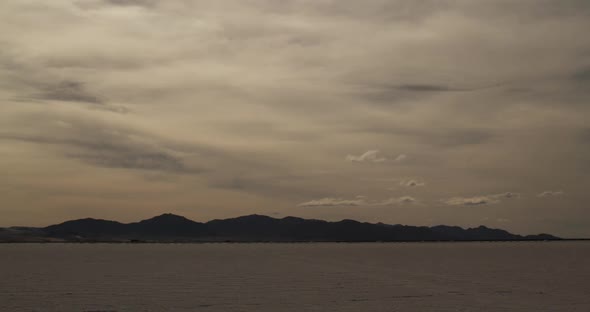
x=252, y=228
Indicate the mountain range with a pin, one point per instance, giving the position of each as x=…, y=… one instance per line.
x=252, y=228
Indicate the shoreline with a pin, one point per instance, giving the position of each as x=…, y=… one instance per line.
x=293, y=242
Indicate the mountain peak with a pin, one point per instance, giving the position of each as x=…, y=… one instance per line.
x=168, y=216
x=250, y=218
x=255, y=216
x=168, y=219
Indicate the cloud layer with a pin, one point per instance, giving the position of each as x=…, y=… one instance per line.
x=412, y=183
x=369, y=156
x=358, y=201
x=550, y=193
x=216, y=108
x=480, y=200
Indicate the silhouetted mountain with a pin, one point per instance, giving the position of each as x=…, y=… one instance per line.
x=163, y=226
x=88, y=228
x=542, y=236
x=166, y=225
x=479, y=233
x=169, y=227
x=23, y=234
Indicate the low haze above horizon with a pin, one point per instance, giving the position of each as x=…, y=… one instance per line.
x=404, y=112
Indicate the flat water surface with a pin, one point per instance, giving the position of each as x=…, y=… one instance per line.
x=517, y=276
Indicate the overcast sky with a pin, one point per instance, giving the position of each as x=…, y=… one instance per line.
x=412, y=112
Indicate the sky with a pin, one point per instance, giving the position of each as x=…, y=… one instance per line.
x=403, y=112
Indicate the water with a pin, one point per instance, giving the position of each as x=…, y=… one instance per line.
x=296, y=277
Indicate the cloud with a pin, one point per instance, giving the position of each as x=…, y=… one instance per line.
x=480, y=200
x=358, y=201
x=396, y=201
x=68, y=91
x=550, y=194
x=447, y=138
x=101, y=4
x=412, y=183
x=468, y=201
x=330, y=201
x=369, y=156
x=582, y=75
x=425, y=88
x=400, y=157
x=107, y=145
x=374, y=156
x=439, y=88
x=506, y=195
x=238, y=92
x=123, y=152
x=146, y=3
